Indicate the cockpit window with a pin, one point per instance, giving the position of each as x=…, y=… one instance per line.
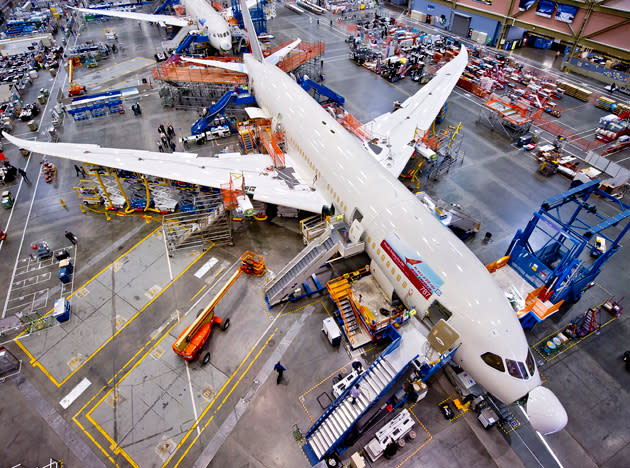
x=516, y=369
x=493, y=361
x=531, y=365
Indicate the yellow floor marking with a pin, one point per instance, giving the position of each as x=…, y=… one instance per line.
x=218, y=272
x=320, y=301
x=518, y=424
x=198, y=292
x=225, y=384
x=59, y=384
x=413, y=415
x=574, y=341
x=83, y=286
x=301, y=397
x=96, y=443
x=75, y=418
x=147, y=352
x=226, y=397
x=113, y=445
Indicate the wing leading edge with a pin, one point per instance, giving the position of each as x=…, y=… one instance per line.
x=166, y=19
x=268, y=184
x=396, y=129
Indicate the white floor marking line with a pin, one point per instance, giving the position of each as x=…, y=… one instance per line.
x=205, y=268
x=17, y=259
x=192, y=397
x=168, y=257
x=75, y=393
x=226, y=428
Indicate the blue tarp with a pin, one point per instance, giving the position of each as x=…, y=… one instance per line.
x=545, y=8
x=566, y=13
x=525, y=4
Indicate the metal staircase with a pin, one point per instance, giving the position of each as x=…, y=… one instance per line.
x=179, y=38
x=347, y=313
x=339, y=418
x=308, y=261
x=313, y=256
x=339, y=292
x=248, y=142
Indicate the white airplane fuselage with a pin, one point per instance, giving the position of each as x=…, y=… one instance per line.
x=199, y=12
x=351, y=179
x=210, y=22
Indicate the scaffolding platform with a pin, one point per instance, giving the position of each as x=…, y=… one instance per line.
x=176, y=70
x=514, y=119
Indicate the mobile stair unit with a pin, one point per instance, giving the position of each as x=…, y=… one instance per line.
x=239, y=96
x=335, y=240
x=409, y=347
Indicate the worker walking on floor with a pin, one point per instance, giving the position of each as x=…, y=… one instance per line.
x=22, y=172
x=354, y=393
x=71, y=237
x=279, y=368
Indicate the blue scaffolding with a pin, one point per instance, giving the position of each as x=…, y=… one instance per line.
x=321, y=93
x=162, y=8
x=257, y=14
x=567, y=241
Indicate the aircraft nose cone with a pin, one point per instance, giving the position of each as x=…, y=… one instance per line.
x=226, y=44
x=545, y=412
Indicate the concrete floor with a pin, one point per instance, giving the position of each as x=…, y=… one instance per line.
x=146, y=407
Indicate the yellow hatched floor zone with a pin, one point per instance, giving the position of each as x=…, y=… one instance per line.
x=140, y=276
x=151, y=396
x=161, y=427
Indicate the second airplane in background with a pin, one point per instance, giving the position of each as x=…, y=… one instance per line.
x=199, y=15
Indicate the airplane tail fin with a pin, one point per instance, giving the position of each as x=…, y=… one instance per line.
x=254, y=45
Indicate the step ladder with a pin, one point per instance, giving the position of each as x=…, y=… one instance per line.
x=341, y=416
x=307, y=262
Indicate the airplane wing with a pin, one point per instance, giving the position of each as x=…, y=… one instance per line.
x=395, y=130
x=241, y=67
x=281, y=187
x=232, y=66
x=166, y=19
x=280, y=54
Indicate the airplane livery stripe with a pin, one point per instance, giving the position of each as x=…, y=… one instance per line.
x=417, y=278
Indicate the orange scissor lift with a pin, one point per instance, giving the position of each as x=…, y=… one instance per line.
x=194, y=337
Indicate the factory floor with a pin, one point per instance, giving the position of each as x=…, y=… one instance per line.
x=146, y=407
